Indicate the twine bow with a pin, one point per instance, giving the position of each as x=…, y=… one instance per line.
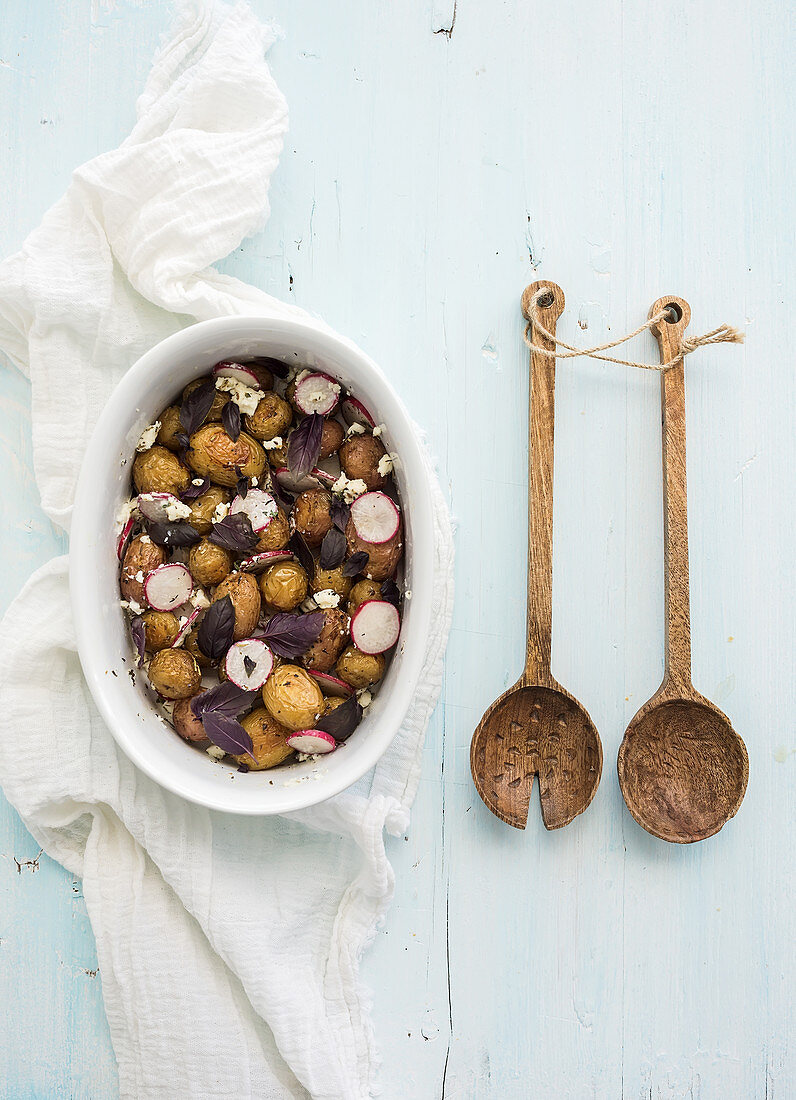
x=724, y=334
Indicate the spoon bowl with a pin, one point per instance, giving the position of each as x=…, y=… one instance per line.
x=530, y=731
x=683, y=769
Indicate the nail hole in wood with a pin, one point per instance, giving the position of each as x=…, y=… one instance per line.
x=673, y=313
x=546, y=299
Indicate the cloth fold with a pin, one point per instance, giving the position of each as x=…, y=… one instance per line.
x=228, y=946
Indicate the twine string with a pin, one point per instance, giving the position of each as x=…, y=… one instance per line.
x=724, y=334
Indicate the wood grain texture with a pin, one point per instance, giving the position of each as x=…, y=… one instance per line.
x=682, y=768
x=538, y=730
x=425, y=181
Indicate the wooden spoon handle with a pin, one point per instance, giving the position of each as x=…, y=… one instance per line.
x=541, y=426
x=669, y=334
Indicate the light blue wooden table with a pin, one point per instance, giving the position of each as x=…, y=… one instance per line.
x=626, y=151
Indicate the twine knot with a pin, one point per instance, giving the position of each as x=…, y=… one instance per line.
x=724, y=334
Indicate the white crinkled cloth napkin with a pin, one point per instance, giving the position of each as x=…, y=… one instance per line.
x=228, y=947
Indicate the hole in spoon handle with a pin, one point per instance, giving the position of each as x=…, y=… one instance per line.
x=669, y=334
x=541, y=420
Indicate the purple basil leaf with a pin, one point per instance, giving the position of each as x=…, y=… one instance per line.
x=234, y=533
x=172, y=535
x=339, y=512
x=230, y=418
x=194, y=491
x=275, y=366
x=196, y=406
x=227, y=733
x=284, y=500
x=138, y=631
x=342, y=721
x=304, y=445
x=290, y=635
x=391, y=592
x=356, y=563
x=298, y=544
x=332, y=549
x=214, y=636
x=183, y=440
x=248, y=664
x=226, y=699
x=242, y=486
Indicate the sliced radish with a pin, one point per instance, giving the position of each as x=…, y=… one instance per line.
x=317, y=393
x=244, y=374
x=292, y=484
x=324, y=477
x=258, y=505
x=168, y=586
x=162, y=508
x=376, y=518
x=354, y=412
x=124, y=538
x=258, y=563
x=185, y=629
x=312, y=741
x=375, y=626
x=249, y=663
x=330, y=685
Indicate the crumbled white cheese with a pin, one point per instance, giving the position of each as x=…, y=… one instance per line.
x=145, y=540
x=199, y=599
x=176, y=510
x=349, y=490
x=140, y=576
x=327, y=597
x=364, y=698
x=215, y=753
x=355, y=429
x=148, y=437
x=255, y=482
x=378, y=430
x=132, y=605
x=271, y=444
x=302, y=756
x=198, y=481
x=386, y=464
x=302, y=374
x=220, y=512
x=127, y=509
x=407, y=595
x=245, y=397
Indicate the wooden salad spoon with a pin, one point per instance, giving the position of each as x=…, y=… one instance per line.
x=536, y=728
x=682, y=767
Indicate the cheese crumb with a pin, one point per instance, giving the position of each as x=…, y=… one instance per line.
x=378, y=430
x=271, y=444
x=148, y=437
x=386, y=464
x=245, y=397
x=364, y=698
x=127, y=510
x=349, y=490
x=132, y=605
x=199, y=599
x=198, y=481
x=221, y=511
x=215, y=753
x=140, y=576
x=176, y=510
x=145, y=540
x=327, y=597
x=355, y=429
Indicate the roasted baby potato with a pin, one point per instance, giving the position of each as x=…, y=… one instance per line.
x=174, y=673
x=323, y=653
x=187, y=724
x=209, y=564
x=213, y=454
x=360, y=456
x=141, y=557
x=269, y=741
x=159, y=471
x=311, y=515
x=161, y=629
x=245, y=595
x=292, y=697
x=359, y=669
x=204, y=507
x=272, y=417
x=284, y=586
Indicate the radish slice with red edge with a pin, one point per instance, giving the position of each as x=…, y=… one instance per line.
x=354, y=412
x=249, y=663
x=292, y=484
x=258, y=505
x=376, y=518
x=311, y=742
x=124, y=538
x=244, y=374
x=258, y=563
x=324, y=477
x=168, y=586
x=375, y=626
x=317, y=393
x=330, y=685
x=185, y=629
x=162, y=508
